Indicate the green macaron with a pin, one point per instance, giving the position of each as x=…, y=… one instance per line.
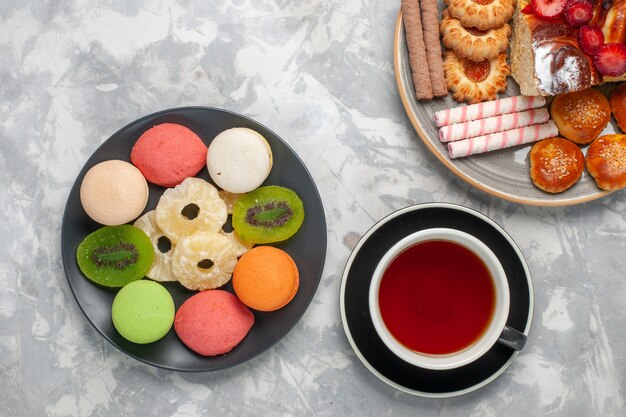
x=143, y=311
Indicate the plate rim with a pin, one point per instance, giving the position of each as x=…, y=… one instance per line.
x=417, y=125
x=357, y=248
x=66, y=258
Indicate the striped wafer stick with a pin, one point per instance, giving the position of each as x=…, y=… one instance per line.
x=502, y=140
x=487, y=109
x=493, y=124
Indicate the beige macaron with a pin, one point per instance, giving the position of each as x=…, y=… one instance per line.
x=113, y=192
x=239, y=160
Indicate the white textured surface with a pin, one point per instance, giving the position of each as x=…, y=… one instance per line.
x=320, y=74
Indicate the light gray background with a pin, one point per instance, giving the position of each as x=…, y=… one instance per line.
x=320, y=74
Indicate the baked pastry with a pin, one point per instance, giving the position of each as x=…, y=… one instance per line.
x=474, y=82
x=421, y=24
x=546, y=57
x=472, y=43
x=606, y=161
x=618, y=105
x=581, y=115
x=556, y=164
x=481, y=14
x=611, y=18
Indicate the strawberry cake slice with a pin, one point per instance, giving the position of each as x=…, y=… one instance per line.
x=570, y=44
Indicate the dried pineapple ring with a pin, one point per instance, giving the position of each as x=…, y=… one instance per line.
x=204, y=260
x=161, y=269
x=193, y=205
x=241, y=246
x=230, y=199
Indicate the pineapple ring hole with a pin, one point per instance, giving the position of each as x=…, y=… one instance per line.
x=190, y=211
x=205, y=264
x=164, y=244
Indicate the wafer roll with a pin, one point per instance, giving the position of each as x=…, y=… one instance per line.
x=501, y=140
x=458, y=131
x=430, y=24
x=417, y=50
x=487, y=109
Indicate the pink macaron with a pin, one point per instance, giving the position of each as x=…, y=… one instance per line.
x=168, y=153
x=212, y=322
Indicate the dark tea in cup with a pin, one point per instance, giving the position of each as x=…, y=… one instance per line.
x=437, y=297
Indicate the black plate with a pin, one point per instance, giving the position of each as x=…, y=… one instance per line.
x=307, y=246
x=355, y=291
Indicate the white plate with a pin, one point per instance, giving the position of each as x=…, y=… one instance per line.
x=503, y=173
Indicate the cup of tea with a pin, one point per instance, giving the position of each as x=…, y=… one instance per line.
x=439, y=299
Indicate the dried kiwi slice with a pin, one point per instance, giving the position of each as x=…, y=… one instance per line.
x=268, y=214
x=113, y=256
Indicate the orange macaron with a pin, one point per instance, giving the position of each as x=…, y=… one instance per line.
x=266, y=278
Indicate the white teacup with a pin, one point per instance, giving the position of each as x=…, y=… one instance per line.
x=496, y=329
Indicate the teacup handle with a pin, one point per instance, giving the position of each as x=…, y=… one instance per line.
x=512, y=338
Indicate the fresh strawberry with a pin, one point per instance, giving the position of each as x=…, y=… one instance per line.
x=578, y=12
x=528, y=9
x=590, y=38
x=548, y=9
x=610, y=59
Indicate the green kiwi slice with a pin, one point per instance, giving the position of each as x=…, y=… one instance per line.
x=113, y=256
x=268, y=214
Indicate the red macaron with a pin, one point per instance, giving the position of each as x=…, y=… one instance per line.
x=168, y=153
x=212, y=322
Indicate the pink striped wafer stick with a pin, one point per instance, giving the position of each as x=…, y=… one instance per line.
x=487, y=109
x=501, y=140
x=493, y=124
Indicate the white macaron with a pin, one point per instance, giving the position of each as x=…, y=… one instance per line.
x=239, y=160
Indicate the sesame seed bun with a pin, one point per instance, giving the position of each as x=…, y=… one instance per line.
x=556, y=164
x=606, y=161
x=582, y=115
